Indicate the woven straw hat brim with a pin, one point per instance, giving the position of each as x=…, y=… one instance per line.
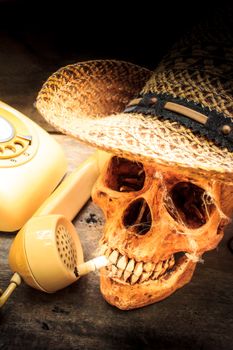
x=78, y=101
x=147, y=139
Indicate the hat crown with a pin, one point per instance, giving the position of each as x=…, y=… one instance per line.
x=199, y=68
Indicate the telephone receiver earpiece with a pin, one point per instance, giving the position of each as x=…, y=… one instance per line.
x=47, y=252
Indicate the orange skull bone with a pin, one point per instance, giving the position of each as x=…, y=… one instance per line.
x=158, y=224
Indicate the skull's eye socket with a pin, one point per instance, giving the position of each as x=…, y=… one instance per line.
x=137, y=217
x=189, y=204
x=124, y=175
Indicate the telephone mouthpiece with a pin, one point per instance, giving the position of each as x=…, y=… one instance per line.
x=46, y=252
x=47, y=255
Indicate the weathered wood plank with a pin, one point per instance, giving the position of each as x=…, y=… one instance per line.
x=199, y=316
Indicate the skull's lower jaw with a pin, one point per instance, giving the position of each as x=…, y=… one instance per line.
x=127, y=296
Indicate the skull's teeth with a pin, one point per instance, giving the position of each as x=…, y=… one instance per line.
x=120, y=273
x=126, y=275
x=128, y=270
x=155, y=275
x=145, y=276
x=148, y=267
x=134, y=278
x=113, y=256
x=130, y=265
x=138, y=269
x=122, y=262
x=103, y=249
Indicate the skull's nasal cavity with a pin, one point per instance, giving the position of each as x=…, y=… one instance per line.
x=124, y=175
x=137, y=217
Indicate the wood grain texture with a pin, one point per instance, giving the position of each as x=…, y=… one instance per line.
x=199, y=316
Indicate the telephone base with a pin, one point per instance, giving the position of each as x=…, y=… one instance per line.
x=32, y=164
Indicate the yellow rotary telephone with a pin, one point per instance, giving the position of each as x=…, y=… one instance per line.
x=46, y=253
x=31, y=166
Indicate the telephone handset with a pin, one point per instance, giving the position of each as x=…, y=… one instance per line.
x=47, y=253
x=32, y=164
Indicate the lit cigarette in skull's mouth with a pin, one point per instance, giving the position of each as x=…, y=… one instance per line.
x=91, y=266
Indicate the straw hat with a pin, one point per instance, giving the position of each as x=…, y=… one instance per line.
x=179, y=115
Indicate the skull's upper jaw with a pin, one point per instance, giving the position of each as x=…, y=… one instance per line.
x=126, y=296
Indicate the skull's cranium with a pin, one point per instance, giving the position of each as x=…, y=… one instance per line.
x=158, y=224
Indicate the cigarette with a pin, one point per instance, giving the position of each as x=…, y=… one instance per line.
x=91, y=265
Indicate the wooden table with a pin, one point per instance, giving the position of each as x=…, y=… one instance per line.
x=198, y=316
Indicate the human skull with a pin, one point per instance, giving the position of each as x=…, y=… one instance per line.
x=159, y=222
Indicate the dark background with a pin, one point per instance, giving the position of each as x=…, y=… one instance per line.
x=39, y=37
x=140, y=32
